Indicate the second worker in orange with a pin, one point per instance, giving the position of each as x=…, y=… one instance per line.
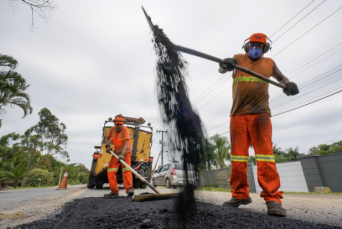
x=119, y=136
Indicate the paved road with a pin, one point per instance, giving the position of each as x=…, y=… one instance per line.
x=26, y=205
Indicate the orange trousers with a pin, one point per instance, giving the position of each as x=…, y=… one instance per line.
x=255, y=129
x=113, y=167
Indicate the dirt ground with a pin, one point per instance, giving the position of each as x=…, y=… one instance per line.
x=96, y=212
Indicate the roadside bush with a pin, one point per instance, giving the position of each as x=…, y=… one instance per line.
x=73, y=182
x=40, y=177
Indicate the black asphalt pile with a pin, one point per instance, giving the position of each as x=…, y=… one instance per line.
x=124, y=213
x=184, y=125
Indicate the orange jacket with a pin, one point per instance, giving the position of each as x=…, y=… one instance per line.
x=118, y=138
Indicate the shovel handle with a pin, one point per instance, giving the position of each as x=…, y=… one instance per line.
x=134, y=172
x=218, y=60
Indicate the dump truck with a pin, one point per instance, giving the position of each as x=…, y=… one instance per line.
x=141, y=139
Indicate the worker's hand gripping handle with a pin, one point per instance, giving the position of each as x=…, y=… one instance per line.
x=220, y=61
x=121, y=160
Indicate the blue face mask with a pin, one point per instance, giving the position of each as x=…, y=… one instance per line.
x=254, y=53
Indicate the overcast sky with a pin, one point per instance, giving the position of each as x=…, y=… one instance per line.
x=94, y=59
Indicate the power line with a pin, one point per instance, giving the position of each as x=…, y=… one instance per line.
x=292, y=18
x=307, y=32
x=214, y=98
x=299, y=20
x=307, y=103
x=324, y=47
x=310, y=82
x=194, y=101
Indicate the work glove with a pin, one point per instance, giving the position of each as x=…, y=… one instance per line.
x=291, y=89
x=229, y=64
x=121, y=156
x=108, y=149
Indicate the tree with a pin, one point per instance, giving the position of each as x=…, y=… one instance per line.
x=209, y=155
x=9, y=173
x=42, y=8
x=336, y=147
x=53, y=138
x=32, y=142
x=47, y=136
x=12, y=87
x=222, y=148
x=292, y=154
x=325, y=149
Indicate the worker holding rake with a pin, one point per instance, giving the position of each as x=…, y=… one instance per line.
x=250, y=123
x=118, y=135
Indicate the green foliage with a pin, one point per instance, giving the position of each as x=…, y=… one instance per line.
x=252, y=160
x=325, y=149
x=9, y=173
x=78, y=173
x=19, y=154
x=221, y=150
x=49, y=134
x=209, y=156
x=40, y=177
x=12, y=87
x=285, y=156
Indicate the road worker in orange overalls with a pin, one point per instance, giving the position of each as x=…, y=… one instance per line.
x=118, y=135
x=250, y=123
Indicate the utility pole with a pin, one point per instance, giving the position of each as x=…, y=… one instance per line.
x=162, y=143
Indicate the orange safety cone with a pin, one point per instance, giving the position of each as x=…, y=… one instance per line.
x=64, y=182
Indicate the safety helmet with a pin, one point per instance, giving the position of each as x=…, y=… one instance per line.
x=258, y=37
x=119, y=120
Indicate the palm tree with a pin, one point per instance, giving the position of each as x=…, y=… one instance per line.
x=222, y=148
x=12, y=87
x=9, y=173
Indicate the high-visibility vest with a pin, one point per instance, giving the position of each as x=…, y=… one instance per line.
x=118, y=138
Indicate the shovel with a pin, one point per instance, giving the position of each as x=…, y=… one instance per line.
x=218, y=60
x=215, y=59
x=144, y=196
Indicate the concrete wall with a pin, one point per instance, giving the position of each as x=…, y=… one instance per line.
x=298, y=176
x=292, y=178
x=323, y=171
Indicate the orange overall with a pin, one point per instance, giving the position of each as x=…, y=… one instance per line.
x=250, y=123
x=113, y=166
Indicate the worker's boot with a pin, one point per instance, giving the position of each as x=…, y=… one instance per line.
x=130, y=192
x=275, y=208
x=235, y=202
x=111, y=195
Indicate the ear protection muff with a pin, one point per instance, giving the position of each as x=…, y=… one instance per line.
x=268, y=45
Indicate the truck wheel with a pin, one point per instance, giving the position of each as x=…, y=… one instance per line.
x=99, y=186
x=167, y=183
x=143, y=185
x=91, y=186
x=174, y=187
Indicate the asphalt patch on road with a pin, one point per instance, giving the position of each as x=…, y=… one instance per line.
x=124, y=213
